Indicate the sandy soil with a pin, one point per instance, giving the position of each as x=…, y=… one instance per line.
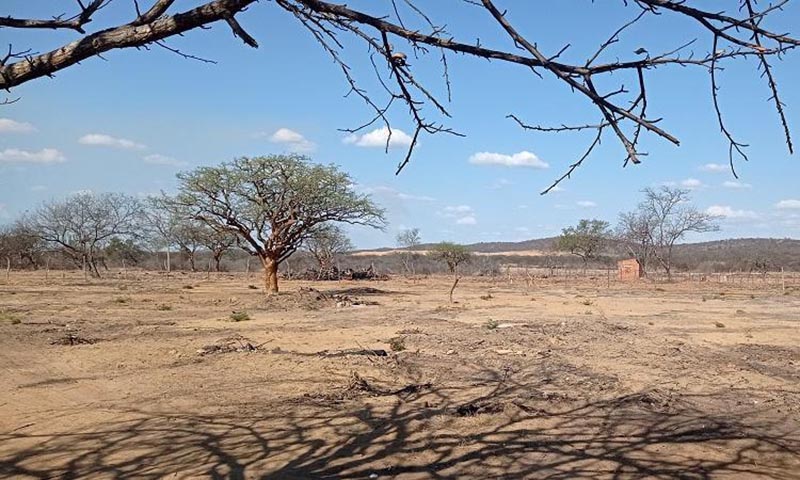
x=547, y=381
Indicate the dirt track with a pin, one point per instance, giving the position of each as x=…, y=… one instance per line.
x=553, y=381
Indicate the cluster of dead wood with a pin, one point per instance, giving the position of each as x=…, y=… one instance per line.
x=334, y=273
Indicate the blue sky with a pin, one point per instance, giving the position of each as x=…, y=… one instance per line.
x=130, y=122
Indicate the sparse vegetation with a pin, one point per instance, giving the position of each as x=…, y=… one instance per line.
x=397, y=344
x=239, y=316
x=491, y=324
x=9, y=317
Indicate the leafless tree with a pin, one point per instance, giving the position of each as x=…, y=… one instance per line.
x=81, y=225
x=409, y=239
x=217, y=242
x=633, y=232
x=663, y=218
x=401, y=32
x=325, y=243
x=20, y=247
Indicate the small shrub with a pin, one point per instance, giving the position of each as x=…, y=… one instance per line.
x=10, y=318
x=164, y=308
x=397, y=344
x=239, y=316
x=410, y=331
x=491, y=324
x=187, y=287
x=587, y=302
x=122, y=300
x=252, y=287
x=488, y=296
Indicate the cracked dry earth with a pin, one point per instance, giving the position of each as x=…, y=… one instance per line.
x=149, y=377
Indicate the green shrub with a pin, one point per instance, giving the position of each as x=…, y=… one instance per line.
x=239, y=316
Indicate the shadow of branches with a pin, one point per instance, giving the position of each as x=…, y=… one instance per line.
x=428, y=435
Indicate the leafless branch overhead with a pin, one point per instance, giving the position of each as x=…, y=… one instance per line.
x=402, y=32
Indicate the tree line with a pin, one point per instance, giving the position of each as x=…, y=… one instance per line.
x=268, y=206
x=271, y=207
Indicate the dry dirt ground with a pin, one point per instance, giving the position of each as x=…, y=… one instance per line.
x=149, y=377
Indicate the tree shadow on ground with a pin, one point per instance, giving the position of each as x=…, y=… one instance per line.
x=384, y=436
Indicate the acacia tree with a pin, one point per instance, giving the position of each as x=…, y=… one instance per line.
x=664, y=217
x=585, y=240
x=81, y=225
x=453, y=255
x=325, y=242
x=273, y=204
x=409, y=239
x=611, y=81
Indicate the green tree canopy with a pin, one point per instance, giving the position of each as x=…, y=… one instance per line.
x=273, y=203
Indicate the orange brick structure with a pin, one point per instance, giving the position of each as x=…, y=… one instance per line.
x=629, y=269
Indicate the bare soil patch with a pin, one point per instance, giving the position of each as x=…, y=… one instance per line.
x=348, y=380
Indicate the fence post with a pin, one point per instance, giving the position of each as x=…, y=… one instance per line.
x=8, y=268
x=783, y=281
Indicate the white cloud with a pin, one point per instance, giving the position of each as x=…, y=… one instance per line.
x=45, y=155
x=501, y=182
x=714, y=168
x=378, y=137
x=391, y=192
x=691, y=183
x=294, y=141
x=727, y=211
x=736, y=185
x=463, y=214
x=12, y=126
x=420, y=198
x=103, y=140
x=586, y=204
x=788, y=204
x=520, y=159
x=453, y=210
x=158, y=159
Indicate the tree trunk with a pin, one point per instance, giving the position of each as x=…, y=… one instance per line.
x=270, y=275
x=192, y=266
x=456, y=278
x=217, y=260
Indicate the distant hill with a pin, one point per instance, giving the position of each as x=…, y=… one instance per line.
x=739, y=254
